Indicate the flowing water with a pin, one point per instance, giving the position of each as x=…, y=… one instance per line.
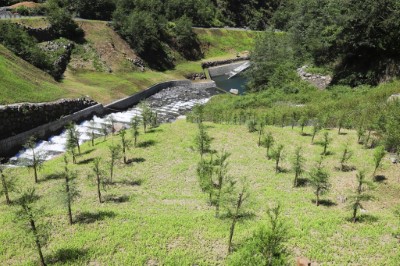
x=169, y=104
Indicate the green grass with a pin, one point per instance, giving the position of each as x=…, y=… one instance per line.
x=20, y=81
x=167, y=219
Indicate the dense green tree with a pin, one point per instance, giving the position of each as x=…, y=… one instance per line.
x=93, y=9
x=60, y=18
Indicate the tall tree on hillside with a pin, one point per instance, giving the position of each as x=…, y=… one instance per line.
x=202, y=140
x=236, y=210
x=135, y=122
x=355, y=200
x=37, y=159
x=28, y=214
x=319, y=180
x=302, y=123
x=298, y=165
x=315, y=129
x=71, y=192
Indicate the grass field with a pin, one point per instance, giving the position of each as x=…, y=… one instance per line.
x=156, y=213
x=20, y=81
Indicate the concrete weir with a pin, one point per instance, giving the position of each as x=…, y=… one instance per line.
x=169, y=99
x=224, y=69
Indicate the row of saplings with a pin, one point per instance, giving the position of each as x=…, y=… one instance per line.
x=266, y=247
x=101, y=177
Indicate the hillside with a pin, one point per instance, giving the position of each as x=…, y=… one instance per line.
x=156, y=214
x=102, y=67
x=20, y=81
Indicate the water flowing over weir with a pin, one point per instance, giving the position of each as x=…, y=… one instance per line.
x=169, y=104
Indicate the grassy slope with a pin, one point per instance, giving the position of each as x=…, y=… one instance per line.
x=105, y=87
x=167, y=220
x=20, y=81
x=110, y=50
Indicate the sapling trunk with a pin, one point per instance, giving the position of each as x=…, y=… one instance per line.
x=37, y=241
x=235, y=217
x=5, y=187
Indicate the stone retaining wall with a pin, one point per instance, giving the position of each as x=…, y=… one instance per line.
x=17, y=118
x=221, y=70
x=12, y=145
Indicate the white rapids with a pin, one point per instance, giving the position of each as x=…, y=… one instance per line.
x=168, y=109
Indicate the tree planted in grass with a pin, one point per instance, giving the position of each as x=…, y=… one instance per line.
x=252, y=125
x=27, y=213
x=268, y=143
x=325, y=143
x=298, y=165
x=125, y=144
x=260, y=132
x=277, y=155
x=135, y=123
x=267, y=246
x=319, y=180
x=71, y=192
x=115, y=154
x=303, y=122
x=223, y=180
x=99, y=177
x=146, y=114
x=37, y=159
x=379, y=153
x=205, y=171
x=71, y=145
x=346, y=155
x=236, y=210
x=355, y=200
x=202, y=141
x=73, y=135
x=7, y=185
x=92, y=132
x=315, y=129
